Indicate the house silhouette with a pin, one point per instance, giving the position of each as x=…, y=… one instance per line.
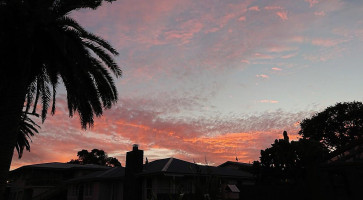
x=168, y=178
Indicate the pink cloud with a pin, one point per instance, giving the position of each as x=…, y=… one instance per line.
x=297, y=39
x=245, y=61
x=186, y=32
x=276, y=69
x=282, y=15
x=312, y=2
x=280, y=48
x=273, y=8
x=262, y=76
x=325, y=42
x=254, y=8
x=242, y=18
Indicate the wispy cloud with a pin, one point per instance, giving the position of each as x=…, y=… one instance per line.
x=276, y=69
x=282, y=15
x=312, y=2
x=273, y=8
x=242, y=18
x=320, y=13
x=289, y=55
x=325, y=42
x=262, y=76
x=263, y=56
x=268, y=101
x=254, y=8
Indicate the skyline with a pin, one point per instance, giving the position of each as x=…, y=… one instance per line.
x=212, y=81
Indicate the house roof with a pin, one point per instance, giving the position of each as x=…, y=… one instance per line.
x=61, y=166
x=349, y=151
x=113, y=173
x=176, y=166
x=237, y=164
x=167, y=166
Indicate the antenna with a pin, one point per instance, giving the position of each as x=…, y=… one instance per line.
x=205, y=160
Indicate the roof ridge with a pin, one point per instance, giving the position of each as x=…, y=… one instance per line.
x=166, y=167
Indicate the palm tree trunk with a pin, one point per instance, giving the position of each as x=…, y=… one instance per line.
x=15, y=54
x=11, y=105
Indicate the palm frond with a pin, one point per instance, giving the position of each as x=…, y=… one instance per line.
x=30, y=95
x=93, y=42
x=105, y=57
x=27, y=128
x=43, y=84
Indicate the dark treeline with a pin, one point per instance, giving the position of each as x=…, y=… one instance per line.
x=97, y=157
x=325, y=163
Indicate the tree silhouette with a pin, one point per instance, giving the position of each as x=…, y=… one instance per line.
x=336, y=126
x=96, y=156
x=284, y=159
x=40, y=47
x=280, y=158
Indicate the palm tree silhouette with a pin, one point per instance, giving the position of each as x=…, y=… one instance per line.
x=41, y=47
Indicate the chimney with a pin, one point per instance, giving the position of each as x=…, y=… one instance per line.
x=134, y=160
x=134, y=165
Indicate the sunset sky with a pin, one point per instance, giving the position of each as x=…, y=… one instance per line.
x=212, y=80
